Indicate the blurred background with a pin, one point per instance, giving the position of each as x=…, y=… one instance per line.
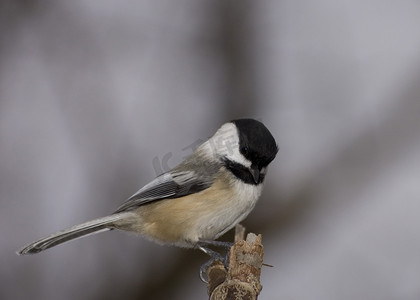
x=98, y=97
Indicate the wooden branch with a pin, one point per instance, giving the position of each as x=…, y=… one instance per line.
x=242, y=281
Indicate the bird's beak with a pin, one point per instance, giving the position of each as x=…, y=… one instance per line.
x=255, y=172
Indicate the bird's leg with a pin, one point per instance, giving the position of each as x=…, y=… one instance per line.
x=226, y=245
x=220, y=244
x=214, y=256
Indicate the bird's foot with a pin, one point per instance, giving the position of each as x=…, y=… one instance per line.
x=214, y=256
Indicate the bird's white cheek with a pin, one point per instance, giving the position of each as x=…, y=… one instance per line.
x=225, y=143
x=237, y=157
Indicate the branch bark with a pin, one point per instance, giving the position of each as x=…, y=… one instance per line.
x=242, y=281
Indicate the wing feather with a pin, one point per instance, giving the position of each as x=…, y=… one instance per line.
x=167, y=185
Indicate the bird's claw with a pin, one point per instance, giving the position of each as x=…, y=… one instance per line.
x=214, y=256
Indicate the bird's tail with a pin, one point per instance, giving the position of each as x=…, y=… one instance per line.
x=78, y=231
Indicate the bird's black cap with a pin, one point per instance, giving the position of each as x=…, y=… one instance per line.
x=256, y=142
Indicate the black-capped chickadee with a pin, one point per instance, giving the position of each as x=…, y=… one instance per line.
x=199, y=200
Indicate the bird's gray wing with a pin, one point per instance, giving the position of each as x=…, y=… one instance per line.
x=168, y=185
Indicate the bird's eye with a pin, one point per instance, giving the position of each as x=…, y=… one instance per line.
x=244, y=150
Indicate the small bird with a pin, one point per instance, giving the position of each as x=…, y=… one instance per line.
x=196, y=202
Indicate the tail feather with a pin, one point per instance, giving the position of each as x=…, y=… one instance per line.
x=78, y=231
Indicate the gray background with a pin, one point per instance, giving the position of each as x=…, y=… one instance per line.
x=95, y=94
